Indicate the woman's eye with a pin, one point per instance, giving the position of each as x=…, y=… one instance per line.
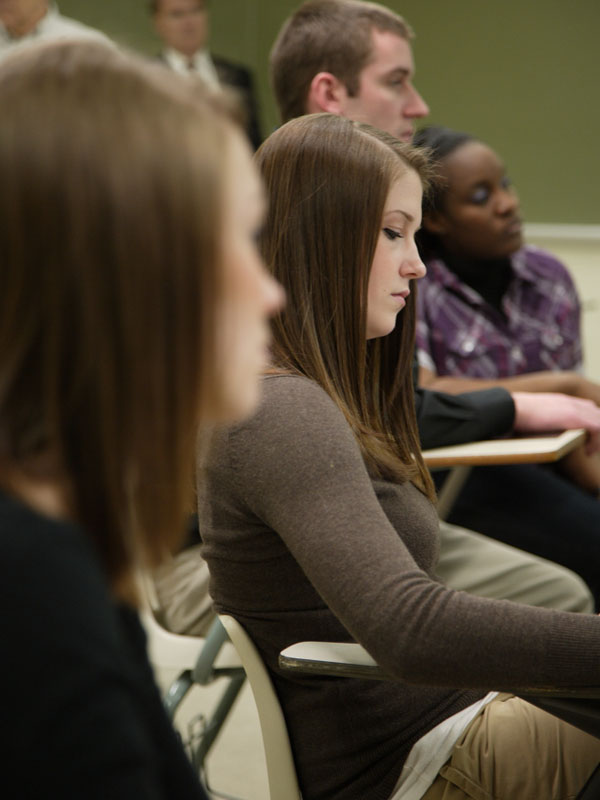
x=506, y=182
x=392, y=234
x=480, y=196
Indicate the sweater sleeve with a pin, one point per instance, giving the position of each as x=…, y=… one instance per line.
x=298, y=468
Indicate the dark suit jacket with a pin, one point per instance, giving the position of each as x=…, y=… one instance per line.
x=238, y=78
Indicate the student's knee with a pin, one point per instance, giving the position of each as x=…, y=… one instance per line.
x=573, y=593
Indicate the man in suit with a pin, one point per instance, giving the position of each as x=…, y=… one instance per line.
x=183, y=26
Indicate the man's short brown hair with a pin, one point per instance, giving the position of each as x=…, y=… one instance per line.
x=326, y=36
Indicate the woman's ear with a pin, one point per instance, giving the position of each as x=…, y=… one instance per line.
x=435, y=222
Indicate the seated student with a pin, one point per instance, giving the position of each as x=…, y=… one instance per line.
x=133, y=308
x=318, y=521
x=491, y=306
x=494, y=312
x=368, y=74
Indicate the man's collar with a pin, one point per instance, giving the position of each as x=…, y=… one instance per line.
x=202, y=64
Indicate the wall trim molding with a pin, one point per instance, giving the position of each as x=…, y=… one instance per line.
x=542, y=230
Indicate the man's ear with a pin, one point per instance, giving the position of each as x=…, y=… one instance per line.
x=435, y=222
x=326, y=93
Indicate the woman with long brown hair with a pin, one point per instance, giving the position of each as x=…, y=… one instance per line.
x=318, y=521
x=133, y=308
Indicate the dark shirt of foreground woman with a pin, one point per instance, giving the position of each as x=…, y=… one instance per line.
x=93, y=725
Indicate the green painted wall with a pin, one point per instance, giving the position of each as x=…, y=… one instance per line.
x=521, y=74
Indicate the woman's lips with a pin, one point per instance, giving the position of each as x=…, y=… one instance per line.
x=514, y=227
x=400, y=297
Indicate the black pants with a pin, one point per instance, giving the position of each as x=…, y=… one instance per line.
x=535, y=509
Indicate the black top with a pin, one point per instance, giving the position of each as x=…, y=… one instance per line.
x=82, y=716
x=240, y=78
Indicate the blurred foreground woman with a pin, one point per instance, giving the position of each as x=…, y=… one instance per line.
x=133, y=307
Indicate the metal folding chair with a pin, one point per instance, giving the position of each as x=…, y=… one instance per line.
x=198, y=662
x=281, y=770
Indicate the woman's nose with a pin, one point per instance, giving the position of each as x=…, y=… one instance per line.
x=413, y=267
x=507, y=201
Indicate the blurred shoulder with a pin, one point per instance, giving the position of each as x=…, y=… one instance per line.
x=542, y=262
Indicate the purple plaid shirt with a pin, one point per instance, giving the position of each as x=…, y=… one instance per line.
x=460, y=334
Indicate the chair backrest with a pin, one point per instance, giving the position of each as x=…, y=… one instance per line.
x=281, y=770
x=168, y=650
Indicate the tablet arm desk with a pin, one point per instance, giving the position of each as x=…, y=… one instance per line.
x=579, y=706
x=526, y=450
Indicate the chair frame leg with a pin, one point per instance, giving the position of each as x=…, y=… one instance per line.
x=202, y=674
x=177, y=690
x=216, y=720
x=175, y=695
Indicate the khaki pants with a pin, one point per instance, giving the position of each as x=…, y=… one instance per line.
x=182, y=588
x=483, y=566
x=515, y=751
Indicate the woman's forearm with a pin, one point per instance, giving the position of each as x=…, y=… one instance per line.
x=550, y=381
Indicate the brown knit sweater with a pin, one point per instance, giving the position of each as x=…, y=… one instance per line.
x=302, y=544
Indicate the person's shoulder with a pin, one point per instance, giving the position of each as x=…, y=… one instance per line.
x=49, y=566
x=543, y=263
x=297, y=432
x=231, y=71
x=293, y=409
x=57, y=25
x=36, y=531
x=287, y=391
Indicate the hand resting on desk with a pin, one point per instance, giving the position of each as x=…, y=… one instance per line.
x=547, y=411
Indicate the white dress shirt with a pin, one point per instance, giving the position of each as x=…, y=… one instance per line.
x=52, y=26
x=199, y=64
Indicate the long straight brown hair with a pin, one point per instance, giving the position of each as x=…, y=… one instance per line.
x=327, y=182
x=110, y=246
